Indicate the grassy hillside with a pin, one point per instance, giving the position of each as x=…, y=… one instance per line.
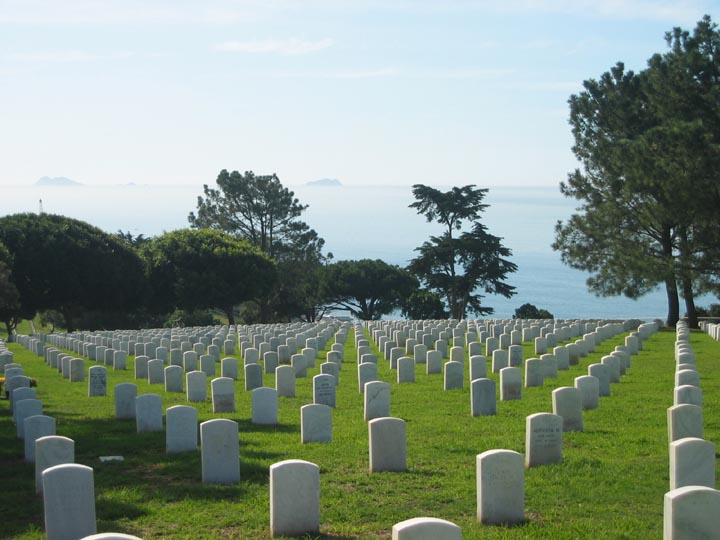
x=610, y=485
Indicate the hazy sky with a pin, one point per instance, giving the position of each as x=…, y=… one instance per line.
x=366, y=91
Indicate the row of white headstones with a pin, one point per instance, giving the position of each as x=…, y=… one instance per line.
x=542, y=443
x=692, y=506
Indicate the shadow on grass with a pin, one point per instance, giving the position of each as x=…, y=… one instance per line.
x=124, y=487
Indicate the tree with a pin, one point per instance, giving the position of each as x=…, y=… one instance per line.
x=266, y=214
x=199, y=269
x=368, y=288
x=69, y=265
x=258, y=209
x=529, y=311
x=459, y=267
x=649, y=147
x=423, y=305
x=9, y=295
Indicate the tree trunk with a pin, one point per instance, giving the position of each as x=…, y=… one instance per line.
x=690, y=304
x=11, y=325
x=673, y=314
x=229, y=313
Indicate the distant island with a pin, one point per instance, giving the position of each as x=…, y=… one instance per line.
x=57, y=181
x=325, y=182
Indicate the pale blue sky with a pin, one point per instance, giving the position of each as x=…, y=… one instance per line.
x=369, y=92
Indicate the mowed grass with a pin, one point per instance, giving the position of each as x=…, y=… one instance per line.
x=610, y=485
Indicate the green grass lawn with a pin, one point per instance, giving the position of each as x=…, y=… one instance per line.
x=610, y=485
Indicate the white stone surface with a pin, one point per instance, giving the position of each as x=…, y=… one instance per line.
x=377, y=400
x=148, y=413
x=125, y=394
x=500, y=487
x=265, y=406
x=543, y=439
x=426, y=528
x=388, y=444
x=692, y=513
x=315, y=423
x=510, y=383
x=69, y=502
x=684, y=421
x=51, y=450
x=36, y=427
x=220, y=451
x=567, y=403
x=223, y=395
x=181, y=434
x=483, y=397
x=692, y=463
x=294, y=498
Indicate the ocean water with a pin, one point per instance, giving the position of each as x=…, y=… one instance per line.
x=371, y=222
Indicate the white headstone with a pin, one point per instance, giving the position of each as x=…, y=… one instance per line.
x=125, y=394
x=367, y=372
x=229, y=368
x=377, y=400
x=223, y=395
x=324, y=390
x=453, y=376
x=265, y=406
x=500, y=487
x=220, y=451
x=36, y=427
x=388, y=445
x=173, y=379
x=25, y=409
x=691, y=513
x=543, y=439
x=426, y=528
x=567, y=403
x=148, y=413
x=589, y=388
x=50, y=451
x=294, y=498
x=315, y=423
x=692, y=463
x=69, y=517
x=483, y=397
x=181, y=434
x=510, y=383
x=684, y=421
x=285, y=381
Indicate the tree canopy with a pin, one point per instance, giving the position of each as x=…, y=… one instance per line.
x=368, y=288
x=68, y=265
x=460, y=268
x=198, y=269
x=649, y=145
x=260, y=210
x=529, y=311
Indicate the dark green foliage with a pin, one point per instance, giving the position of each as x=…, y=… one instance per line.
x=368, y=288
x=183, y=317
x=68, y=265
x=529, y=311
x=9, y=295
x=459, y=268
x=200, y=269
x=422, y=305
x=266, y=214
x=649, y=144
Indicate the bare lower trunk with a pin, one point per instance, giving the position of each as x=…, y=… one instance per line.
x=690, y=304
x=673, y=314
x=230, y=314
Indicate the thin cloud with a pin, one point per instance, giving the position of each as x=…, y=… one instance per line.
x=275, y=46
x=351, y=74
x=65, y=56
